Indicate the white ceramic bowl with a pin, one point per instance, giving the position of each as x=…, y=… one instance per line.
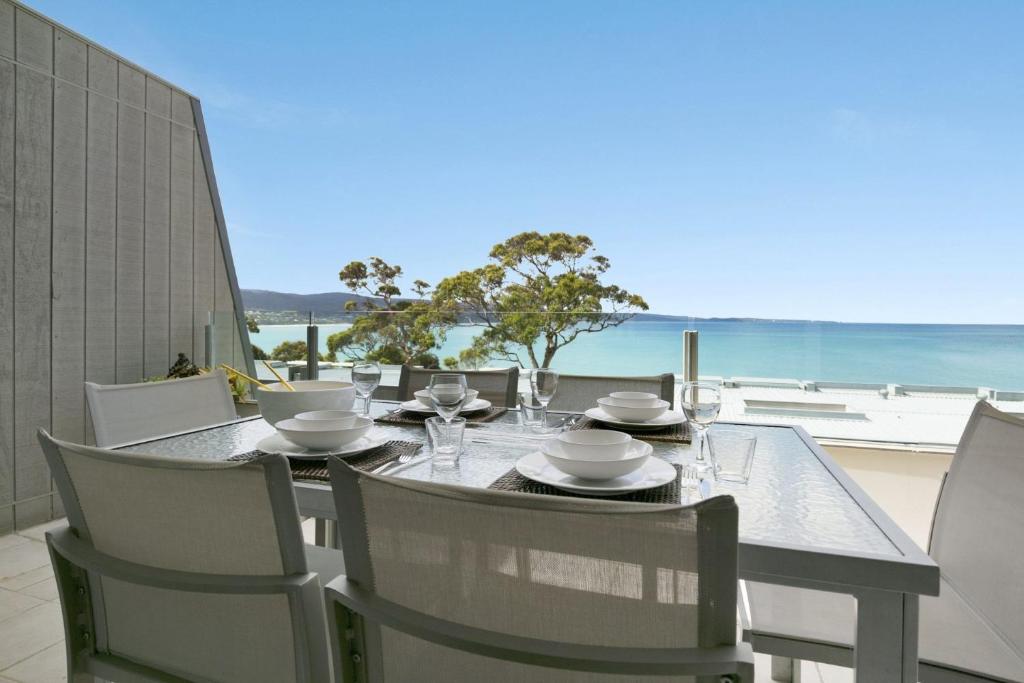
x=594, y=444
x=635, y=456
x=277, y=403
x=339, y=419
x=617, y=409
x=635, y=399
x=423, y=396
x=312, y=434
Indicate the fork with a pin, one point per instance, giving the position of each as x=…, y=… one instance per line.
x=690, y=483
x=403, y=459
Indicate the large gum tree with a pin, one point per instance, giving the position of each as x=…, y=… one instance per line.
x=539, y=294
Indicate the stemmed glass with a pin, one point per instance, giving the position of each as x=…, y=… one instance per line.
x=366, y=379
x=544, y=382
x=448, y=393
x=701, y=403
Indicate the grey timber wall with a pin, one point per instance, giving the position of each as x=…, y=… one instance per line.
x=113, y=248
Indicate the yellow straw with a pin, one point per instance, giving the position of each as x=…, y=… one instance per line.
x=244, y=376
x=280, y=379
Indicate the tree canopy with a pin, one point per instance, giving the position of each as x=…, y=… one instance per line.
x=393, y=331
x=539, y=294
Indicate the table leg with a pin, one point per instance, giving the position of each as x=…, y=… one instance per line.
x=886, y=645
x=326, y=533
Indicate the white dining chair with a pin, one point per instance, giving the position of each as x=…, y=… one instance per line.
x=185, y=569
x=453, y=584
x=579, y=392
x=974, y=629
x=497, y=386
x=122, y=413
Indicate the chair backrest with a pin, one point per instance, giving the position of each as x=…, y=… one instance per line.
x=979, y=520
x=194, y=568
x=496, y=386
x=579, y=392
x=572, y=571
x=122, y=413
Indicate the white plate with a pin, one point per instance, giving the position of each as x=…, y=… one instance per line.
x=666, y=419
x=275, y=443
x=655, y=472
x=415, y=406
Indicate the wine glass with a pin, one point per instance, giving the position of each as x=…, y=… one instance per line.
x=701, y=403
x=366, y=379
x=544, y=382
x=448, y=392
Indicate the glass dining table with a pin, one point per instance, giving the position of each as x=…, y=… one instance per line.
x=803, y=522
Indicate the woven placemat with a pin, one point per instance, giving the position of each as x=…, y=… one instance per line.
x=408, y=417
x=669, y=493
x=677, y=433
x=316, y=470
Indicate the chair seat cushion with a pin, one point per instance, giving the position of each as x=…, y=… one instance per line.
x=326, y=562
x=953, y=636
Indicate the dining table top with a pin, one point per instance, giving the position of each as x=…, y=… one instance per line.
x=800, y=514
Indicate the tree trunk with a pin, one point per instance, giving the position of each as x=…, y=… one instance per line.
x=533, y=357
x=549, y=355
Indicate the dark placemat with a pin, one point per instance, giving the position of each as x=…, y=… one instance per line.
x=367, y=461
x=678, y=433
x=669, y=493
x=408, y=417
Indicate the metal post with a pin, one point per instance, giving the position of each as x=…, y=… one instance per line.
x=690, y=356
x=312, y=345
x=208, y=346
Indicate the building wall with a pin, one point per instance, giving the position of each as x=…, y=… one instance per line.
x=113, y=251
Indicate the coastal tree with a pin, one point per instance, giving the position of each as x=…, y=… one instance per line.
x=539, y=294
x=292, y=350
x=388, y=329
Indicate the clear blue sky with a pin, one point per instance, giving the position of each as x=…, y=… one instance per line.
x=858, y=161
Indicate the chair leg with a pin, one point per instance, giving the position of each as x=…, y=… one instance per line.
x=785, y=669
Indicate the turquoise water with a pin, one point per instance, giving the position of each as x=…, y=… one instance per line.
x=950, y=355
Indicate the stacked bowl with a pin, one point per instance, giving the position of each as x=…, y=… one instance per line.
x=324, y=430
x=633, y=406
x=596, y=454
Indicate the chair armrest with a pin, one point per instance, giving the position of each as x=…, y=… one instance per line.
x=696, y=661
x=76, y=551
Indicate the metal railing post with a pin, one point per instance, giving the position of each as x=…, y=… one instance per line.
x=312, y=348
x=690, y=356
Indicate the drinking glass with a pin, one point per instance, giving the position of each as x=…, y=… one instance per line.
x=444, y=438
x=544, y=382
x=701, y=403
x=732, y=454
x=366, y=379
x=448, y=392
x=531, y=412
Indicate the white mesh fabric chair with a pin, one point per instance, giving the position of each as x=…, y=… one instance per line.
x=447, y=583
x=175, y=570
x=579, y=392
x=974, y=629
x=497, y=386
x=122, y=413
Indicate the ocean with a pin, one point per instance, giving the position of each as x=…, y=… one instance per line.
x=944, y=355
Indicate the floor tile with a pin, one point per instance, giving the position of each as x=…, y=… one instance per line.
x=44, y=590
x=9, y=540
x=29, y=633
x=13, y=603
x=21, y=558
x=48, y=666
x=39, y=532
x=28, y=578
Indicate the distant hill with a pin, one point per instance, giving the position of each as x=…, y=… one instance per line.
x=282, y=307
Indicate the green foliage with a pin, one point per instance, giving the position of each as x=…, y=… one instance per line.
x=182, y=367
x=291, y=350
x=393, y=332
x=539, y=288
x=251, y=324
x=258, y=353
